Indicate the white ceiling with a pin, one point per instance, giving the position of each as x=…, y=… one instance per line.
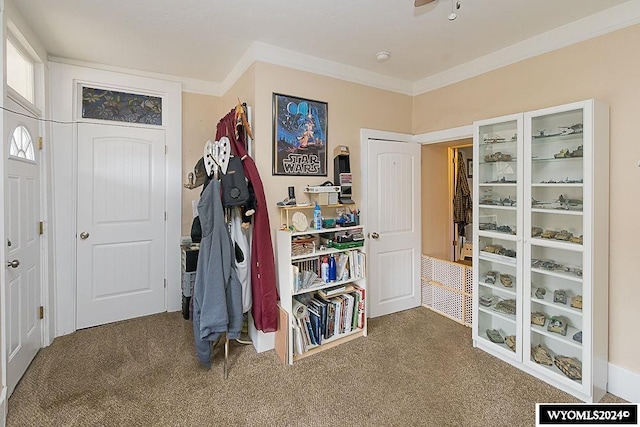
x=205, y=39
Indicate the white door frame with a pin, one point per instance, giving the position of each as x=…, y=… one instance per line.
x=65, y=79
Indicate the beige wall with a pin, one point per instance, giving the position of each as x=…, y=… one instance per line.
x=200, y=115
x=351, y=107
x=604, y=68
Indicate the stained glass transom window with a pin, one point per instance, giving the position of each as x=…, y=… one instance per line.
x=21, y=144
x=121, y=106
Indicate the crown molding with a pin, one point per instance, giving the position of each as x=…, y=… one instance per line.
x=201, y=87
x=607, y=21
x=299, y=61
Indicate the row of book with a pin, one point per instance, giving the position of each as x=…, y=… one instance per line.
x=321, y=318
x=350, y=265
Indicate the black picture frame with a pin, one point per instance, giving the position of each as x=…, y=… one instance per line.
x=469, y=168
x=300, y=141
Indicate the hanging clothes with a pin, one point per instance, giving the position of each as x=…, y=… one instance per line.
x=217, y=294
x=462, y=204
x=263, y=273
x=242, y=257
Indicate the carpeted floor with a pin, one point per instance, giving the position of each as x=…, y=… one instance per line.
x=416, y=368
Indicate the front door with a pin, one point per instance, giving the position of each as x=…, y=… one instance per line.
x=120, y=226
x=22, y=266
x=393, y=224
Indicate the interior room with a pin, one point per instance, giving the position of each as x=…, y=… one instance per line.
x=214, y=215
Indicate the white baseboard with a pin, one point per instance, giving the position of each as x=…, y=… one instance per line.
x=624, y=383
x=3, y=407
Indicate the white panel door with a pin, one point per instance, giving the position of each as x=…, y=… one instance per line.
x=393, y=221
x=22, y=266
x=120, y=227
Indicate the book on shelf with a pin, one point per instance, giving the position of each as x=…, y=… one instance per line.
x=335, y=290
x=361, y=306
x=314, y=320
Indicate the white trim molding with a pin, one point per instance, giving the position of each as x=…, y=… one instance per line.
x=607, y=21
x=624, y=383
x=452, y=134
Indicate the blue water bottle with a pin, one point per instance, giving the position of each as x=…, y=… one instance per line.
x=317, y=217
x=332, y=269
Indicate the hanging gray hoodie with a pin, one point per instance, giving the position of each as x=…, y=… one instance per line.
x=217, y=294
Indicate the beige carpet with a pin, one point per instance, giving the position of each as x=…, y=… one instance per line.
x=416, y=368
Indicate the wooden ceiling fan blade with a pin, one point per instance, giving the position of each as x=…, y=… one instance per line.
x=419, y=3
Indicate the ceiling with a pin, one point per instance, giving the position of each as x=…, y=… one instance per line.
x=204, y=39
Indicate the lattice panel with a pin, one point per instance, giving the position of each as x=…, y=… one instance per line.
x=447, y=302
x=447, y=288
x=427, y=295
x=426, y=268
x=448, y=274
x=468, y=307
x=468, y=280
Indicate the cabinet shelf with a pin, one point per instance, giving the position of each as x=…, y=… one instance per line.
x=576, y=137
x=558, y=275
x=557, y=244
x=500, y=207
x=507, y=291
x=324, y=230
x=497, y=235
x=567, y=339
x=505, y=260
x=322, y=285
x=502, y=316
x=557, y=211
x=547, y=300
x=558, y=184
x=498, y=184
x=555, y=159
x=330, y=343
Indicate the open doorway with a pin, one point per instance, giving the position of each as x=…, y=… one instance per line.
x=440, y=237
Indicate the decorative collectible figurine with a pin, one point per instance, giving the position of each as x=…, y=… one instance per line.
x=495, y=336
x=576, y=302
x=541, y=355
x=558, y=325
x=538, y=318
x=560, y=296
x=540, y=293
x=510, y=341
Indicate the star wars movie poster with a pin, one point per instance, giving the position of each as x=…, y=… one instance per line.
x=299, y=136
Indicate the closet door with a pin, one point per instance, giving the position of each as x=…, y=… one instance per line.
x=497, y=237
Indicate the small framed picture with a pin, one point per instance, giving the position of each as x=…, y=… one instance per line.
x=469, y=168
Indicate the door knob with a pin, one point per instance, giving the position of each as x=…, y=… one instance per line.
x=84, y=235
x=374, y=235
x=13, y=264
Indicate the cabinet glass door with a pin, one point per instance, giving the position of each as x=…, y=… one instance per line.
x=497, y=211
x=554, y=250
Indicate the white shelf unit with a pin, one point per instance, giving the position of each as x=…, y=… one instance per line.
x=287, y=288
x=562, y=176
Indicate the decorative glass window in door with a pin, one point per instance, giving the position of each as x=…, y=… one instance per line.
x=21, y=144
x=105, y=104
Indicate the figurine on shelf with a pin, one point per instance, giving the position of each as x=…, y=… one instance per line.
x=541, y=355
x=559, y=296
x=290, y=200
x=538, y=318
x=506, y=280
x=486, y=300
x=540, y=293
x=491, y=277
x=510, y=341
x=576, y=302
x=570, y=366
x=495, y=336
x=558, y=325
